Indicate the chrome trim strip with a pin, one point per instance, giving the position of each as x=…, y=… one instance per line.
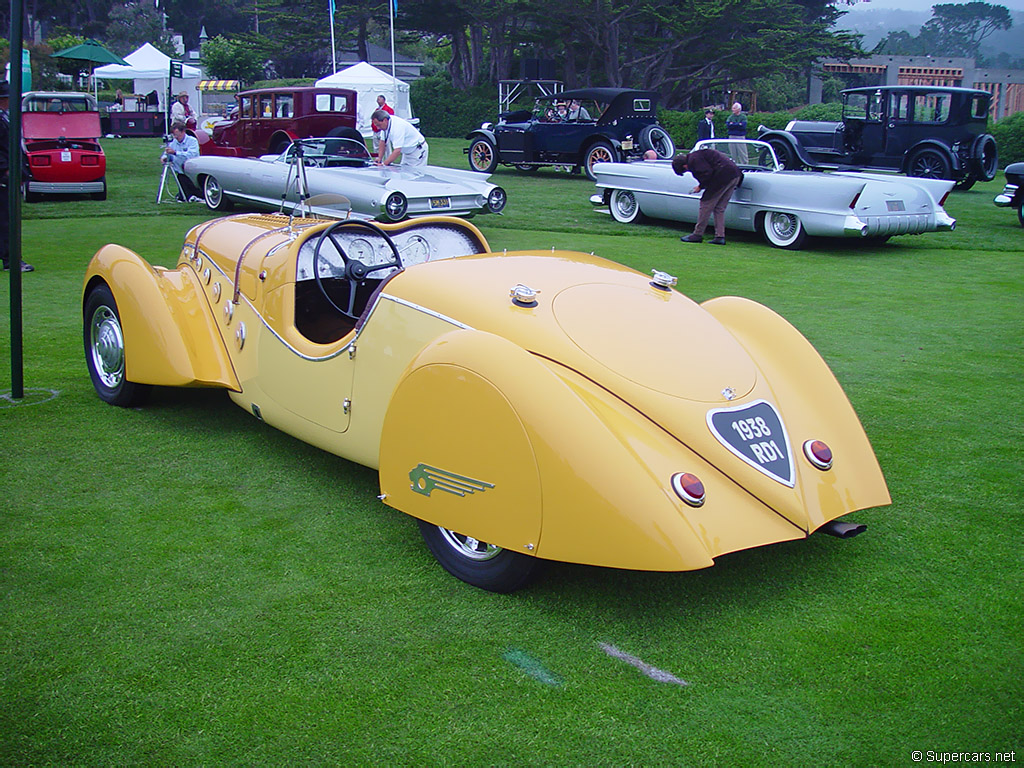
x=424, y=310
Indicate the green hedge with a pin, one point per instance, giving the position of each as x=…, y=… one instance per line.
x=447, y=113
x=1009, y=135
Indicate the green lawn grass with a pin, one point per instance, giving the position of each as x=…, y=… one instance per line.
x=182, y=585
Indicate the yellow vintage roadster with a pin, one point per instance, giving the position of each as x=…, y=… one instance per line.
x=523, y=406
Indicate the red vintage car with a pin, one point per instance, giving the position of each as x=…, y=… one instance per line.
x=61, y=133
x=267, y=120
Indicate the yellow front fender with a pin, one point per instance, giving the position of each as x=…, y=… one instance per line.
x=171, y=336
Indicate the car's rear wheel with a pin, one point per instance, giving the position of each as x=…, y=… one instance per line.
x=785, y=154
x=929, y=164
x=104, y=350
x=600, y=152
x=483, y=155
x=624, y=207
x=214, y=195
x=102, y=194
x=655, y=137
x=478, y=563
x=784, y=230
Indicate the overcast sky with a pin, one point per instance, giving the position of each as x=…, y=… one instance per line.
x=924, y=5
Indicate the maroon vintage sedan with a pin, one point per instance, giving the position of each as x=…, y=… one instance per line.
x=266, y=120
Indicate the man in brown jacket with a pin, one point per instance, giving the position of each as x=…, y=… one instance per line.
x=718, y=176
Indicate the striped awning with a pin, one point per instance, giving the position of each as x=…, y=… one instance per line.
x=219, y=85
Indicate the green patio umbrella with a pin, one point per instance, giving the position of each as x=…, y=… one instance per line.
x=94, y=53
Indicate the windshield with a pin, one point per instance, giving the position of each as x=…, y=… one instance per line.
x=748, y=155
x=331, y=152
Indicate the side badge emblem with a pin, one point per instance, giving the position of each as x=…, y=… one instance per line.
x=426, y=478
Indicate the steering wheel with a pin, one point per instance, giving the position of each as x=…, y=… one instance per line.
x=355, y=270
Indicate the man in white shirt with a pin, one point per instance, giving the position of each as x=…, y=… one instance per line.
x=402, y=137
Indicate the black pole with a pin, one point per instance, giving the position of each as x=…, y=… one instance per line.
x=14, y=202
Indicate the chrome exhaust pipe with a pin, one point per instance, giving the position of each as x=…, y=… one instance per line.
x=843, y=530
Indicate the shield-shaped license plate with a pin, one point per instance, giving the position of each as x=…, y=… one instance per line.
x=755, y=433
x=65, y=155
x=440, y=202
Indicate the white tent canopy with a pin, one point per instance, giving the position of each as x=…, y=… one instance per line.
x=369, y=82
x=150, y=69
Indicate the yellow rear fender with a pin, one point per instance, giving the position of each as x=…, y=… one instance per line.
x=171, y=336
x=813, y=406
x=490, y=441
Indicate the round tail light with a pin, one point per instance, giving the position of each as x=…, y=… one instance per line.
x=819, y=454
x=689, y=488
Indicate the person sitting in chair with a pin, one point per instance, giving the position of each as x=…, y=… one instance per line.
x=179, y=149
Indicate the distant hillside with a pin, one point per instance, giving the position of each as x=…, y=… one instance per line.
x=875, y=23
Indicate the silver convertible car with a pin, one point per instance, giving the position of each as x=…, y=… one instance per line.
x=786, y=206
x=332, y=177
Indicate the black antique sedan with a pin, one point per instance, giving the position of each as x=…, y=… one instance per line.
x=927, y=131
x=572, y=130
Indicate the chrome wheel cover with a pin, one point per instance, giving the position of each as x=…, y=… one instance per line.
x=212, y=191
x=468, y=547
x=623, y=205
x=783, y=226
x=106, y=346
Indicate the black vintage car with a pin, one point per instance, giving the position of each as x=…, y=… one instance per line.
x=611, y=125
x=926, y=131
x=1012, y=195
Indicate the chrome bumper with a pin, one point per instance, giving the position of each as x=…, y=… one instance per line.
x=65, y=187
x=1005, y=198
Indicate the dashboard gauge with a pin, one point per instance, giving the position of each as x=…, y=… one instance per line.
x=415, y=251
x=360, y=249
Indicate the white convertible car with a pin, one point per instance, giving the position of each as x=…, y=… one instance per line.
x=786, y=206
x=336, y=177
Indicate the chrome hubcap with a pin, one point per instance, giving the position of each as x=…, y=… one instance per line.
x=107, y=344
x=469, y=547
x=212, y=191
x=625, y=204
x=782, y=225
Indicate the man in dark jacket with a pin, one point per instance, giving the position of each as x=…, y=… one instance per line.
x=718, y=176
x=706, y=127
x=5, y=133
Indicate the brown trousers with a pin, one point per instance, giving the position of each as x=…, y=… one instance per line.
x=714, y=204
